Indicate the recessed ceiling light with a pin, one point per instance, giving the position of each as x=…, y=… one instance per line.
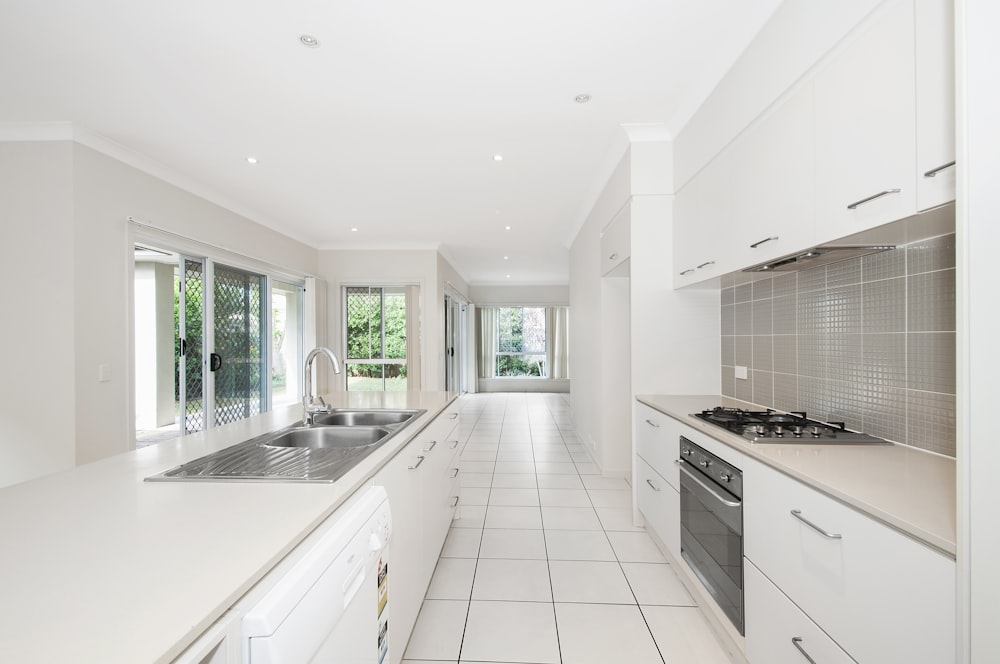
x=498, y=157
x=251, y=160
x=309, y=41
x=354, y=230
x=506, y=258
x=582, y=98
x=508, y=276
x=506, y=228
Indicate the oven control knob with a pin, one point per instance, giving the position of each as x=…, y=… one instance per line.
x=704, y=463
x=814, y=431
x=687, y=451
x=726, y=477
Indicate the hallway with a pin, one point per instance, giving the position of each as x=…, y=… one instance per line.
x=544, y=565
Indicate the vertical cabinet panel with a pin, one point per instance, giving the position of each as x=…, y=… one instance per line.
x=703, y=219
x=865, y=127
x=660, y=503
x=935, y=62
x=616, y=242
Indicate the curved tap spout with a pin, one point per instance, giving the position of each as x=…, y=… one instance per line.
x=312, y=404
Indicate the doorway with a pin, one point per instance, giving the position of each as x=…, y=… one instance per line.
x=455, y=335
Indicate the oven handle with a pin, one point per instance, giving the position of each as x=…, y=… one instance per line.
x=711, y=490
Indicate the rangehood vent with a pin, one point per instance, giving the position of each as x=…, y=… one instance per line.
x=817, y=257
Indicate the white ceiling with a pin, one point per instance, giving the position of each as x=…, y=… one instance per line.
x=391, y=124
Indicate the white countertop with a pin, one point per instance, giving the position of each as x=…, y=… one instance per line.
x=906, y=488
x=97, y=565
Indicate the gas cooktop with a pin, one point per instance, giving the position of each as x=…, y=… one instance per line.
x=769, y=426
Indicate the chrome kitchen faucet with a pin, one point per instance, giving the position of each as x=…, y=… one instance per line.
x=311, y=404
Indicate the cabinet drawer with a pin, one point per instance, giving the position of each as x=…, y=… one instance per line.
x=777, y=632
x=660, y=503
x=882, y=596
x=657, y=437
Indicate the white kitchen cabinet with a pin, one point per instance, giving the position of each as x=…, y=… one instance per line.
x=774, y=183
x=657, y=441
x=616, y=244
x=418, y=484
x=865, y=127
x=880, y=595
x=777, y=632
x=703, y=223
x=935, y=90
x=660, y=504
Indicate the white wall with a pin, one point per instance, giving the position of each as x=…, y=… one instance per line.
x=977, y=238
x=83, y=320
x=37, y=405
x=424, y=268
x=585, y=309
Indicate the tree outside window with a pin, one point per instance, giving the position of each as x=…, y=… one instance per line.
x=521, y=342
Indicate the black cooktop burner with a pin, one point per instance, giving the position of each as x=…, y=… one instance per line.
x=768, y=426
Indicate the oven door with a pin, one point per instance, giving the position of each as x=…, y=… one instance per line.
x=712, y=540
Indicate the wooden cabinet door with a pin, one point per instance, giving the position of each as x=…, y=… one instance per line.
x=865, y=127
x=935, y=65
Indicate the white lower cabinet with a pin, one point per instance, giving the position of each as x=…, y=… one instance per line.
x=777, y=632
x=220, y=644
x=421, y=497
x=660, y=504
x=878, y=594
x=658, y=442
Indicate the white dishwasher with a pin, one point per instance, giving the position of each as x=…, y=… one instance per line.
x=331, y=604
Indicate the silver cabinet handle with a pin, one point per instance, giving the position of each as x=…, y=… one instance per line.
x=797, y=642
x=431, y=446
x=453, y=445
x=452, y=416
x=705, y=264
x=764, y=241
x=687, y=271
x=854, y=206
x=798, y=515
x=934, y=171
x=420, y=460
x=613, y=256
x=454, y=473
x=454, y=503
x=652, y=486
x=652, y=423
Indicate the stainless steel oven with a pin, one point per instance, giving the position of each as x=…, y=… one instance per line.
x=712, y=525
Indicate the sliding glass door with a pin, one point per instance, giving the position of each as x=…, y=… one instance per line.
x=238, y=361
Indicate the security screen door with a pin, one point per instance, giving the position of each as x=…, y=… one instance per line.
x=228, y=382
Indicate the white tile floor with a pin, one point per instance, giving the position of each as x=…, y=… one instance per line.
x=544, y=565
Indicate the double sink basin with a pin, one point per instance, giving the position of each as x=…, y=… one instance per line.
x=324, y=451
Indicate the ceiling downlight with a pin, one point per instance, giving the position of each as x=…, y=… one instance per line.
x=582, y=98
x=309, y=41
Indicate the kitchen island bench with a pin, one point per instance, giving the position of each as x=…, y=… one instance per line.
x=98, y=565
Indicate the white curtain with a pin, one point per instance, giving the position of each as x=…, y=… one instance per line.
x=486, y=342
x=557, y=350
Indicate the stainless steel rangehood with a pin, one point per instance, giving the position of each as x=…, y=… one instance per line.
x=817, y=256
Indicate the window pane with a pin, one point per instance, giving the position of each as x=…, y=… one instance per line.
x=510, y=322
x=520, y=365
x=364, y=323
x=534, y=330
x=286, y=342
x=395, y=324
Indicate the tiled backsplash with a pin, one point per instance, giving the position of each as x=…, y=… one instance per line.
x=868, y=341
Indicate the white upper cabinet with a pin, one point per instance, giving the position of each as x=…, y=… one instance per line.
x=773, y=191
x=935, y=57
x=702, y=222
x=865, y=127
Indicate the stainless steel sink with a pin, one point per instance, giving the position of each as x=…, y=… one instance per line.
x=374, y=418
x=325, y=437
x=324, y=452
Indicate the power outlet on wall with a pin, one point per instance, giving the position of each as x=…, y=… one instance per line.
x=741, y=373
